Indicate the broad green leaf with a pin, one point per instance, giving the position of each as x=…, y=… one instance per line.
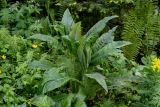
x=104, y=39
x=118, y=44
x=75, y=33
x=99, y=78
x=99, y=26
x=42, y=101
x=112, y=48
x=42, y=37
x=42, y=64
x=67, y=20
x=53, y=79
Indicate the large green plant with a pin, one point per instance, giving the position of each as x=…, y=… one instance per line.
x=81, y=54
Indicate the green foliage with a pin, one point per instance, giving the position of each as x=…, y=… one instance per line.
x=117, y=1
x=42, y=101
x=98, y=27
x=47, y=59
x=141, y=29
x=99, y=78
x=53, y=80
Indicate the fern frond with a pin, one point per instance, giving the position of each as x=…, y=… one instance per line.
x=133, y=31
x=3, y=3
x=152, y=37
x=141, y=29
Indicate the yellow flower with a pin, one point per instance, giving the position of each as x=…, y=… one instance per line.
x=156, y=64
x=3, y=57
x=34, y=46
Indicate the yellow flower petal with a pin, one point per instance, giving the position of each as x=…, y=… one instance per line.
x=34, y=46
x=3, y=57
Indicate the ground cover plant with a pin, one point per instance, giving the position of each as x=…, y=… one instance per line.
x=74, y=53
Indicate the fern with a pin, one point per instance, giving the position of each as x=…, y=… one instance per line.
x=141, y=28
x=3, y=3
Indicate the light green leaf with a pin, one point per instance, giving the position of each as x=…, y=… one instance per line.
x=81, y=56
x=75, y=33
x=99, y=26
x=112, y=48
x=67, y=20
x=99, y=78
x=53, y=79
x=42, y=101
x=80, y=98
x=42, y=37
x=118, y=44
x=88, y=52
x=42, y=64
x=22, y=105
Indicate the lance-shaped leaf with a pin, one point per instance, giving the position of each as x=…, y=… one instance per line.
x=42, y=64
x=42, y=37
x=99, y=78
x=99, y=26
x=104, y=39
x=67, y=20
x=75, y=33
x=109, y=49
